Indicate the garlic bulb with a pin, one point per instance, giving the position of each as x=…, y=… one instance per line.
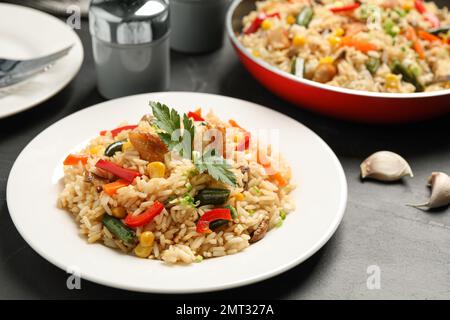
x=385, y=166
x=440, y=191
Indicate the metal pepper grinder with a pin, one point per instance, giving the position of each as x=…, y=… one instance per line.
x=130, y=40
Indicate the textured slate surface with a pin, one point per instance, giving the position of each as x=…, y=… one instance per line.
x=410, y=247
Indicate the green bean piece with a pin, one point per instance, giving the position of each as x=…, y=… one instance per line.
x=305, y=16
x=117, y=228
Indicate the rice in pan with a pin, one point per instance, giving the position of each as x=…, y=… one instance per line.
x=397, y=46
x=131, y=190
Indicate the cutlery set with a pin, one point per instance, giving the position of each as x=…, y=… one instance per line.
x=15, y=71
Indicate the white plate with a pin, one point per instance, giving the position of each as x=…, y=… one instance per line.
x=35, y=181
x=28, y=33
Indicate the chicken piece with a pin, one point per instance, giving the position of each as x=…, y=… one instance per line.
x=355, y=27
x=441, y=70
x=150, y=146
x=324, y=73
x=390, y=4
x=278, y=38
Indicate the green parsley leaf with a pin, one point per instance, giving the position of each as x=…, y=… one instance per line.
x=217, y=167
x=188, y=140
x=166, y=119
x=188, y=201
x=256, y=189
x=282, y=214
x=169, y=121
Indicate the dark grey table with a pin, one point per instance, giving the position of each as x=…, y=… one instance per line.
x=411, y=248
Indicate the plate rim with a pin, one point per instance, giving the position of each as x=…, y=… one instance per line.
x=77, y=46
x=340, y=211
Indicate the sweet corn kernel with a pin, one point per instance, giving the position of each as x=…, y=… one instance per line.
x=126, y=146
x=298, y=40
x=392, y=81
x=333, y=40
x=266, y=24
x=326, y=60
x=156, y=169
x=339, y=32
x=97, y=150
x=142, y=252
x=146, y=239
x=239, y=196
x=408, y=5
x=290, y=19
x=256, y=53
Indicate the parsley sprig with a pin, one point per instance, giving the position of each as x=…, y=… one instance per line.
x=168, y=122
x=217, y=167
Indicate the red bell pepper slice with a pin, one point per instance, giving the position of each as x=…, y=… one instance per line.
x=116, y=131
x=429, y=16
x=145, y=217
x=348, y=7
x=125, y=174
x=210, y=216
x=244, y=145
x=256, y=24
x=75, y=159
x=196, y=115
x=420, y=6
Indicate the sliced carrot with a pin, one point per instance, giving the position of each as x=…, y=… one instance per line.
x=279, y=179
x=411, y=35
x=262, y=159
x=428, y=36
x=419, y=49
x=265, y=162
x=360, y=45
x=234, y=124
x=111, y=188
x=75, y=159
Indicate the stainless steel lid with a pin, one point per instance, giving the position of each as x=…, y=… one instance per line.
x=129, y=21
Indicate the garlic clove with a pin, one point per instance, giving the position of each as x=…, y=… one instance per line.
x=385, y=166
x=440, y=191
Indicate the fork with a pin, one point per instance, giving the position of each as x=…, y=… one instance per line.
x=15, y=71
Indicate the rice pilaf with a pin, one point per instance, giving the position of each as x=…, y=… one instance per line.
x=160, y=211
x=396, y=46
